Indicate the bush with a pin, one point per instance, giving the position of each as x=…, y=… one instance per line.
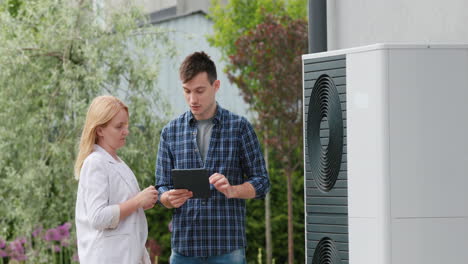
x=55, y=245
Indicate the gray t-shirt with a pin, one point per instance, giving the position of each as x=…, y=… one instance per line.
x=204, y=128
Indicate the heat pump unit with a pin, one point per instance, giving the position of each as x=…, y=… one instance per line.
x=386, y=155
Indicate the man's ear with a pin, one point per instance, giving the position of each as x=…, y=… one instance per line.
x=216, y=85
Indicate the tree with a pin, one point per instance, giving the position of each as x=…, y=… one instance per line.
x=237, y=17
x=267, y=68
x=55, y=57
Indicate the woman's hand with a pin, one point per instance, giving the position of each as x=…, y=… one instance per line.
x=147, y=198
x=144, y=199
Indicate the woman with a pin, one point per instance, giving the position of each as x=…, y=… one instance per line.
x=111, y=225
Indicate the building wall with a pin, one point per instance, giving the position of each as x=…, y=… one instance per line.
x=363, y=22
x=187, y=6
x=189, y=35
x=147, y=5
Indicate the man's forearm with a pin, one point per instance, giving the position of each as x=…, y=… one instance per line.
x=243, y=191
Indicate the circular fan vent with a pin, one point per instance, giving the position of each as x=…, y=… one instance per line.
x=326, y=252
x=325, y=113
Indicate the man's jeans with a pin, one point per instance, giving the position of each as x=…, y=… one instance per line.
x=235, y=257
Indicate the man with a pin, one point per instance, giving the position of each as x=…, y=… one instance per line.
x=208, y=136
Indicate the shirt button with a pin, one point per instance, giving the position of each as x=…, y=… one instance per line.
x=196, y=150
x=203, y=203
x=194, y=133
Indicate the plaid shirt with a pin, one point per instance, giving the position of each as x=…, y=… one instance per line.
x=214, y=226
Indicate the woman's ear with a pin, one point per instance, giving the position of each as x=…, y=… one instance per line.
x=99, y=131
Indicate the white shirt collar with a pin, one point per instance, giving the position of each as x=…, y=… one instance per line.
x=106, y=154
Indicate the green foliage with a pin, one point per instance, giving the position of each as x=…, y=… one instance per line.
x=55, y=57
x=13, y=6
x=239, y=16
x=279, y=217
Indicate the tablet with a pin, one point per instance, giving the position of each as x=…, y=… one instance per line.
x=195, y=180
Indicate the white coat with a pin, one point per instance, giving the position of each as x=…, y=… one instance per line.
x=104, y=184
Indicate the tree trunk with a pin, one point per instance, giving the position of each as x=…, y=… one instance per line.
x=290, y=220
x=269, y=246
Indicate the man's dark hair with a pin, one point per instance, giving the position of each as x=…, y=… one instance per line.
x=196, y=63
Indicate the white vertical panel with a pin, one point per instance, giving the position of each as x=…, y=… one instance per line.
x=430, y=241
x=429, y=132
x=368, y=193
x=365, y=22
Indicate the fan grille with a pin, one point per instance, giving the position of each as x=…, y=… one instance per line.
x=326, y=252
x=325, y=159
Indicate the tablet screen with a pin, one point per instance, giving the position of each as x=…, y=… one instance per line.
x=195, y=180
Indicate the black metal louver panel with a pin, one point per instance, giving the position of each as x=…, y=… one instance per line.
x=325, y=154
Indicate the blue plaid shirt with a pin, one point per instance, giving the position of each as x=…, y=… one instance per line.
x=214, y=226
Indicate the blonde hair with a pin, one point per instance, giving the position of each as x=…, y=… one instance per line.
x=100, y=112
